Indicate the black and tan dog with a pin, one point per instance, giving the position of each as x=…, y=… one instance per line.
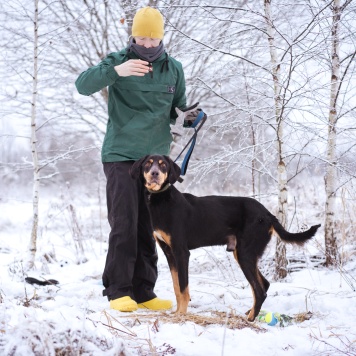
x=182, y=222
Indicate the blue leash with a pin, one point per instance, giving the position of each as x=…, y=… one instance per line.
x=201, y=118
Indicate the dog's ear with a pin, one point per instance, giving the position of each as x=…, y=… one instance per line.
x=174, y=171
x=135, y=169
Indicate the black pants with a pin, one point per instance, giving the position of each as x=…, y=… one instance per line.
x=131, y=261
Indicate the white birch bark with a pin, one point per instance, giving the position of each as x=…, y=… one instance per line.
x=331, y=173
x=280, y=256
x=36, y=174
x=253, y=142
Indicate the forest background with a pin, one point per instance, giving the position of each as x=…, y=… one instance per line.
x=277, y=80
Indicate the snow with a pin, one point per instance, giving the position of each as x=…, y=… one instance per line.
x=73, y=317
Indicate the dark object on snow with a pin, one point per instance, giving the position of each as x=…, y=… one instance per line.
x=183, y=222
x=48, y=282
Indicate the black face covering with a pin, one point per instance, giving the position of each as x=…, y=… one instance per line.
x=147, y=54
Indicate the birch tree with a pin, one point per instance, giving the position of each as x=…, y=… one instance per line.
x=281, y=259
x=331, y=179
x=331, y=171
x=36, y=173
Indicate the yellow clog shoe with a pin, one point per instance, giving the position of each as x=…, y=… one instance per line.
x=156, y=304
x=124, y=304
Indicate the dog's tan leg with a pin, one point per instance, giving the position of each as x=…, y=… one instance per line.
x=258, y=283
x=174, y=274
x=183, y=298
x=164, y=240
x=252, y=313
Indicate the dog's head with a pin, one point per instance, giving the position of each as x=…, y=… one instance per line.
x=156, y=171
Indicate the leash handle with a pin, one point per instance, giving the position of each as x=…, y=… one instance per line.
x=198, y=118
x=201, y=118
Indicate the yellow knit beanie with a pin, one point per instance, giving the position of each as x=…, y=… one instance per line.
x=148, y=22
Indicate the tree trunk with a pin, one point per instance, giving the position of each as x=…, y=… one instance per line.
x=253, y=141
x=331, y=252
x=280, y=256
x=36, y=175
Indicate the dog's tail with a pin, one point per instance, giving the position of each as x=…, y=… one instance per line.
x=296, y=238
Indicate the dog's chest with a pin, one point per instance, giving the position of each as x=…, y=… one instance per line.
x=162, y=236
x=158, y=235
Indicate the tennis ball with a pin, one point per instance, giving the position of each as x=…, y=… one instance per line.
x=271, y=319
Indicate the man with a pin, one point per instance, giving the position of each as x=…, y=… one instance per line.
x=145, y=87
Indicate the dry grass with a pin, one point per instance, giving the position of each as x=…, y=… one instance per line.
x=230, y=320
x=300, y=317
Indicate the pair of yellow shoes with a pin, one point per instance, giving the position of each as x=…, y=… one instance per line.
x=126, y=304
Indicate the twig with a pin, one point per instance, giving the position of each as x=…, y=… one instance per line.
x=113, y=327
x=110, y=317
x=349, y=279
x=349, y=352
x=224, y=335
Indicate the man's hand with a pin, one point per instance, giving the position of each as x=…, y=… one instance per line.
x=188, y=115
x=135, y=67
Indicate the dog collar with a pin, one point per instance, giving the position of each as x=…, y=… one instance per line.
x=158, y=191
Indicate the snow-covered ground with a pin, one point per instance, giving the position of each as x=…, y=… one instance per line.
x=74, y=319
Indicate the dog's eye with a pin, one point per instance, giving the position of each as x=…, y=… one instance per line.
x=163, y=166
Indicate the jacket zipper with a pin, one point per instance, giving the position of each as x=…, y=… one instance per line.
x=150, y=68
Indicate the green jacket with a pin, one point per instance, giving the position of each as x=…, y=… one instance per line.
x=140, y=108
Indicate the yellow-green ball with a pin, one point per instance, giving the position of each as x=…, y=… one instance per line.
x=271, y=319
